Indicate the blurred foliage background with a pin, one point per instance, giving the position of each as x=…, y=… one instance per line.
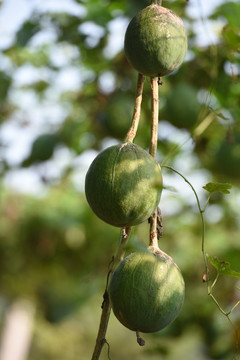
x=67, y=92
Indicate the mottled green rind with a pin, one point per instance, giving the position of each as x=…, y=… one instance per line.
x=147, y=291
x=123, y=185
x=155, y=41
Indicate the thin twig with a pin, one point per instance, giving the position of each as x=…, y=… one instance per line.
x=106, y=306
x=201, y=211
x=234, y=306
x=214, y=283
x=137, y=109
x=210, y=287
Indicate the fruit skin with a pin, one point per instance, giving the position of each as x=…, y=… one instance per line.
x=155, y=41
x=123, y=185
x=147, y=291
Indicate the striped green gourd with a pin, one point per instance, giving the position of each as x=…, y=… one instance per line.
x=123, y=185
x=155, y=41
x=147, y=291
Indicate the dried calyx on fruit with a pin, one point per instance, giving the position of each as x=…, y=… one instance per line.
x=123, y=185
x=155, y=41
x=147, y=291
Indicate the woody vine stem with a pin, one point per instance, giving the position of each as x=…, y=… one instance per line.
x=153, y=243
x=106, y=306
x=137, y=109
x=157, y=2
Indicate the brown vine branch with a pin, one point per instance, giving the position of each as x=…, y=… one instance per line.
x=154, y=122
x=153, y=242
x=137, y=109
x=106, y=306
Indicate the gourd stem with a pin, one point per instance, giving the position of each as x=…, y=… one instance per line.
x=106, y=306
x=137, y=109
x=153, y=242
x=154, y=122
x=140, y=340
x=157, y=2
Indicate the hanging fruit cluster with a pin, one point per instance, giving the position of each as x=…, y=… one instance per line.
x=124, y=182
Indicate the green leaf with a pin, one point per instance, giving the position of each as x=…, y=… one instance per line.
x=230, y=10
x=223, y=267
x=26, y=32
x=5, y=82
x=232, y=37
x=219, y=114
x=42, y=149
x=169, y=188
x=219, y=187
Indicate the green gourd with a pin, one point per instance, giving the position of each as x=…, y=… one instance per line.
x=123, y=185
x=147, y=291
x=155, y=41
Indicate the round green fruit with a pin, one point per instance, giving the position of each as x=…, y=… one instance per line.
x=226, y=159
x=155, y=41
x=114, y=118
x=182, y=107
x=147, y=291
x=123, y=185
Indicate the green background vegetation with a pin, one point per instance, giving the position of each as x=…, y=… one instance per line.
x=54, y=252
